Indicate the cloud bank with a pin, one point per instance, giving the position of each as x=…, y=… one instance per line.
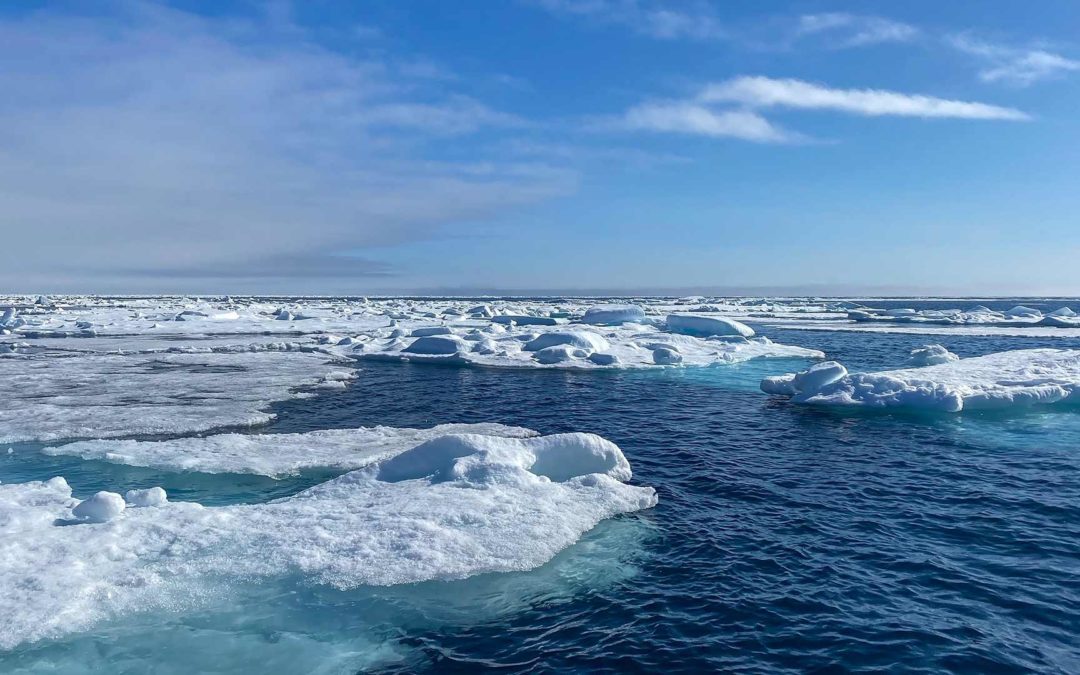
x=155, y=142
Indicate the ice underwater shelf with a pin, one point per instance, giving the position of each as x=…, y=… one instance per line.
x=1005, y=380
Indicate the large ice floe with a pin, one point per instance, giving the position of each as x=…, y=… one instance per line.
x=1014, y=379
x=50, y=396
x=606, y=336
x=273, y=455
x=449, y=508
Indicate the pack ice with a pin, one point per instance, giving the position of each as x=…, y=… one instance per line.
x=1005, y=380
x=50, y=396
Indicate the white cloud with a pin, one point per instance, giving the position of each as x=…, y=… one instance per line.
x=766, y=92
x=853, y=30
x=652, y=18
x=1020, y=67
x=152, y=139
x=691, y=118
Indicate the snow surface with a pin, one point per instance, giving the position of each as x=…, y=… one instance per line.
x=450, y=508
x=273, y=455
x=1005, y=380
x=58, y=396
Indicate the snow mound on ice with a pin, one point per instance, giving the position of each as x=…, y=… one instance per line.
x=930, y=355
x=707, y=325
x=579, y=339
x=154, y=496
x=101, y=508
x=611, y=315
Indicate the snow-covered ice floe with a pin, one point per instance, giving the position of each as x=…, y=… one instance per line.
x=273, y=455
x=1013, y=379
x=452, y=507
x=53, y=396
x=1017, y=317
x=627, y=345
x=572, y=334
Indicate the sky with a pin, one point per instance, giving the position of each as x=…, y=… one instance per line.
x=540, y=146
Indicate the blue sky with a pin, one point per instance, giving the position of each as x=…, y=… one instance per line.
x=540, y=145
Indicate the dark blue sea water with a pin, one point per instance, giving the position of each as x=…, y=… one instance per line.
x=786, y=539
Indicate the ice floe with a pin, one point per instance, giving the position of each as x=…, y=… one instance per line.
x=59, y=396
x=1013, y=379
x=273, y=455
x=453, y=507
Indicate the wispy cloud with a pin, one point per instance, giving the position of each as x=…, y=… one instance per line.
x=1020, y=67
x=156, y=139
x=766, y=92
x=686, y=117
x=731, y=109
x=854, y=30
x=652, y=18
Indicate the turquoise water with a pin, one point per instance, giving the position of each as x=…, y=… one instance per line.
x=786, y=538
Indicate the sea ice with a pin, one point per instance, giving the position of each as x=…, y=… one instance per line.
x=154, y=496
x=930, y=355
x=1013, y=379
x=707, y=325
x=55, y=396
x=451, y=508
x=610, y=315
x=274, y=455
x=100, y=508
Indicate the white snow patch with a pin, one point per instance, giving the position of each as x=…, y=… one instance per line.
x=274, y=455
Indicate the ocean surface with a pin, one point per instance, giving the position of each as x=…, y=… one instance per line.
x=786, y=538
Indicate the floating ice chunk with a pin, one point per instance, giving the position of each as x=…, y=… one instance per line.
x=154, y=496
x=1021, y=312
x=707, y=325
x=101, y=508
x=273, y=455
x=1064, y=312
x=1013, y=379
x=437, y=345
x=610, y=315
x=580, y=339
x=930, y=355
x=449, y=509
x=481, y=311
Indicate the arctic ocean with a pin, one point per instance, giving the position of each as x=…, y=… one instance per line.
x=545, y=484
